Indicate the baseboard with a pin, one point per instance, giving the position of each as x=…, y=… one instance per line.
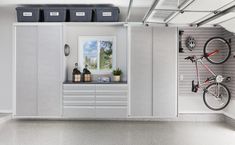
x=230, y=121
x=201, y=117
x=6, y=111
x=229, y=115
x=195, y=117
x=5, y=117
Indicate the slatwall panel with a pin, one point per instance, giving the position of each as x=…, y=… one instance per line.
x=229, y=67
x=186, y=68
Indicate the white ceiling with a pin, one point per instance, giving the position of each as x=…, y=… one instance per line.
x=120, y=3
x=229, y=25
x=188, y=17
x=207, y=5
x=168, y=11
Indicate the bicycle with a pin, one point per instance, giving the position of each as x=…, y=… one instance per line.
x=216, y=95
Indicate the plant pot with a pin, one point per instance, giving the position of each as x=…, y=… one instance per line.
x=116, y=78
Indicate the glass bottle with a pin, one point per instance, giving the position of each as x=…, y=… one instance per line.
x=86, y=74
x=76, y=74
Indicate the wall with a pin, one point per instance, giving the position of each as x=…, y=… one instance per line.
x=7, y=17
x=190, y=102
x=74, y=31
x=229, y=70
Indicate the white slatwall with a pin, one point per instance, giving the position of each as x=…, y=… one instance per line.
x=229, y=67
x=186, y=68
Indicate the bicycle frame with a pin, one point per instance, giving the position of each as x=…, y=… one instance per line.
x=199, y=60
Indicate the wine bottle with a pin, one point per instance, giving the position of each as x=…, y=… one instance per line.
x=86, y=74
x=76, y=74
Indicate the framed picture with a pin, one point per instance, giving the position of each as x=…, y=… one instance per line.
x=98, y=53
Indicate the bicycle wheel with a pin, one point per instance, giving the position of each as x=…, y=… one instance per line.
x=217, y=50
x=216, y=96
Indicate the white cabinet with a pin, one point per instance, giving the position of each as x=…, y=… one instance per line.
x=95, y=101
x=141, y=71
x=49, y=70
x=38, y=51
x=154, y=72
x=79, y=101
x=165, y=51
x=26, y=71
x=111, y=101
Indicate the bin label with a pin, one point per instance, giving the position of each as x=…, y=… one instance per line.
x=107, y=14
x=54, y=13
x=80, y=14
x=27, y=14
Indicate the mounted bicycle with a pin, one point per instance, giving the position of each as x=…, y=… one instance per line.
x=216, y=95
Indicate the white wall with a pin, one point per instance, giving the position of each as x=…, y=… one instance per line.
x=193, y=103
x=73, y=32
x=229, y=70
x=7, y=17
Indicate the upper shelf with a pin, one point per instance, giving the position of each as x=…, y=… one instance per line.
x=72, y=23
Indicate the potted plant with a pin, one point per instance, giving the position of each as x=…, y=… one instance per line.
x=117, y=75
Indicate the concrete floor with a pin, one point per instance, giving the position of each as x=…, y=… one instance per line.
x=26, y=132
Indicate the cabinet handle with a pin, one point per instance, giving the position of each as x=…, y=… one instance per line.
x=66, y=50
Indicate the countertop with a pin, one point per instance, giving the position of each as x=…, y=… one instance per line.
x=96, y=82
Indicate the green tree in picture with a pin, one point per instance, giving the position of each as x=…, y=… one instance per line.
x=106, y=55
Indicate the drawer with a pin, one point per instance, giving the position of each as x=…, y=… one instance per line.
x=81, y=87
x=79, y=103
x=112, y=87
x=111, y=112
x=111, y=103
x=112, y=92
x=79, y=92
x=111, y=97
x=79, y=112
x=85, y=97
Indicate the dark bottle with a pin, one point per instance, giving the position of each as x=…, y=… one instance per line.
x=86, y=74
x=76, y=74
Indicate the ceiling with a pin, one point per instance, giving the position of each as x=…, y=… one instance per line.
x=192, y=12
x=168, y=12
x=119, y=3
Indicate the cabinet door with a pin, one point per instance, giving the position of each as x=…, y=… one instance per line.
x=165, y=52
x=49, y=70
x=141, y=71
x=26, y=70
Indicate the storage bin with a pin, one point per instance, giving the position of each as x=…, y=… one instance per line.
x=28, y=14
x=54, y=14
x=106, y=14
x=80, y=14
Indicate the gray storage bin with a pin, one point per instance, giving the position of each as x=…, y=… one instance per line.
x=80, y=14
x=54, y=14
x=28, y=14
x=106, y=14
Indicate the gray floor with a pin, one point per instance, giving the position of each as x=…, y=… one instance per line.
x=26, y=132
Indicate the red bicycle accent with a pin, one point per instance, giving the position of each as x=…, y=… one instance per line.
x=212, y=53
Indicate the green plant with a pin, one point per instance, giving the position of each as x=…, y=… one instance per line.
x=117, y=72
